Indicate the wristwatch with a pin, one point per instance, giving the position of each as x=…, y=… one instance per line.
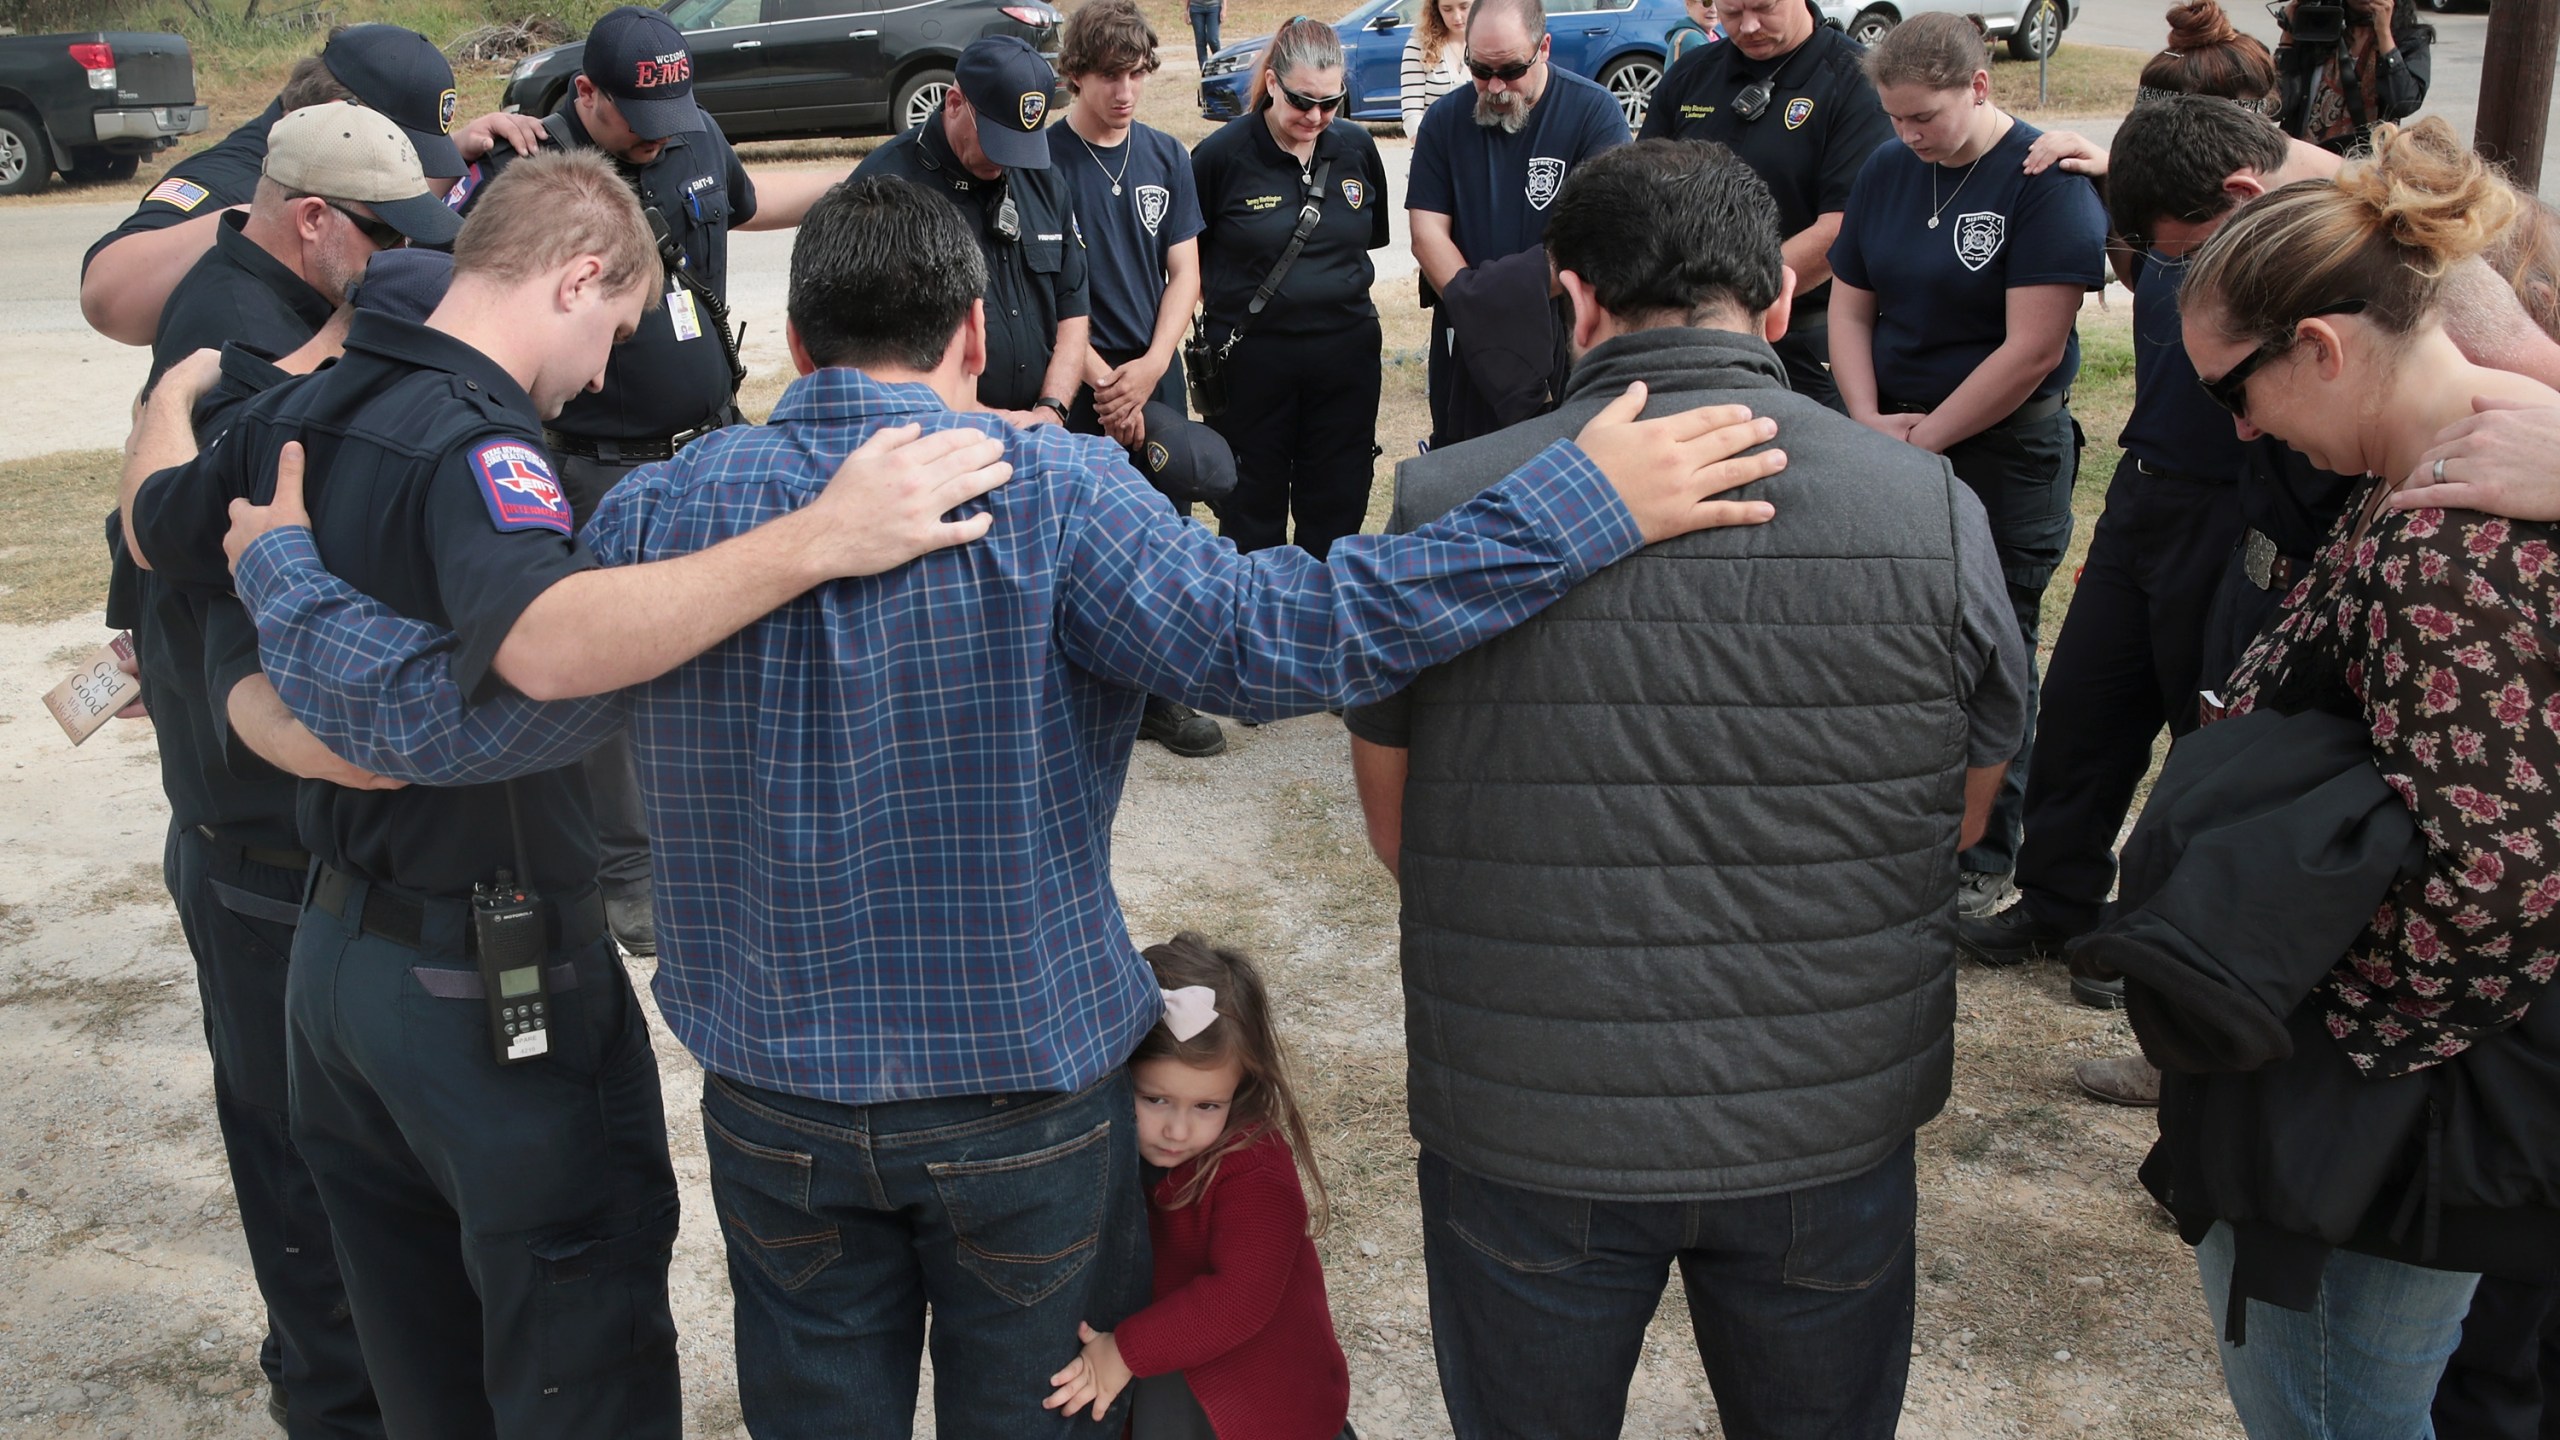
x=1053, y=403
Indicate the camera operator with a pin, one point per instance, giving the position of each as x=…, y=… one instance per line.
x=2349, y=65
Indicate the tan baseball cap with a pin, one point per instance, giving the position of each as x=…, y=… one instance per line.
x=340, y=151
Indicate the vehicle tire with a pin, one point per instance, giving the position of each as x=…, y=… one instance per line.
x=91, y=165
x=25, y=161
x=2039, y=31
x=1873, y=24
x=919, y=98
x=1630, y=82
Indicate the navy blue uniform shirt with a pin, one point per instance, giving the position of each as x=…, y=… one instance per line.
x=237, y=292
x=1942, y=295
x=657, y=385
x=204, y=183
x=2174, y=425
x=1035, y=278
x=1134, y=201
x=1821, y=124
x=429, y=490
x=1252, y=190
x=1495, y=188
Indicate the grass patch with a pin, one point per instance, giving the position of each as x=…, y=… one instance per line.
x=2080, y=80
x=53, y=563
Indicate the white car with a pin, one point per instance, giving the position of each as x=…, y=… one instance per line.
x=2032, y=27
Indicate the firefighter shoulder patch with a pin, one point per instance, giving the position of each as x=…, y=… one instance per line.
x=517, y=484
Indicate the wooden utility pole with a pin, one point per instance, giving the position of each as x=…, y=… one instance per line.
x=2515, y=86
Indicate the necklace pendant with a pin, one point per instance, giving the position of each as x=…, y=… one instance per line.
x=1115, y=187
x=1933, y=222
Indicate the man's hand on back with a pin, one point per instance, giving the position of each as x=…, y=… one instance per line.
x=885, y=505
x=284, y=509
x=1669, y=470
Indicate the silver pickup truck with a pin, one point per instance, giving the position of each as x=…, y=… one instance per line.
x=2032, y=27
x=91, y=105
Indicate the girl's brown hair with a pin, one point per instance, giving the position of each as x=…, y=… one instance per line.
x=1300, y=44
x=2208, y=55
x=1242, y=1033
x=2385, y=232
x=1434, y=32
x=1937, y=50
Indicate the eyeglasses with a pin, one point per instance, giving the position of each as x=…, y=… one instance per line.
x=383, y=235
x=1313, y=103
x=2231, y=392
x=1506, y=73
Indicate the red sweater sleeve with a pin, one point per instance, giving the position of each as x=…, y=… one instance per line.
x=1257, y=1227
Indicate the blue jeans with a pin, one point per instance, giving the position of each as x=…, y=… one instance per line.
x=1010, y=1217
x=1801, y=1303
x=2361, y=1365
x=1204, y=29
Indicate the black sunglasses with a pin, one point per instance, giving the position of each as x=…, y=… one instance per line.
x=384, y=235
x=2231, y=392
x=1506, y=73
x=1313, y=103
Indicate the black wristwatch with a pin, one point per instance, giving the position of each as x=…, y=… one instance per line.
x=1053, y=403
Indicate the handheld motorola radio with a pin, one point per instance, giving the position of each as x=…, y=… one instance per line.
x=507, y=921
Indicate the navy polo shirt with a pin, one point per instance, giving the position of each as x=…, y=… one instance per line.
x=2174, y=425
x=1251, y=190
x=1127, y=234
x=212, y=180
x=1495, y=188
x=430, y=491
x=657, y=385
x=1033, y=281
x=237, y=292
x=1821, y=124
x=1942, y=295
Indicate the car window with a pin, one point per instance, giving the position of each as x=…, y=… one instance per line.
x=814, y=9
x=1405, y=11
x=715, y=14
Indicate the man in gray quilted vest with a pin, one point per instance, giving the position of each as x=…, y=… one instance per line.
x=1678, y=863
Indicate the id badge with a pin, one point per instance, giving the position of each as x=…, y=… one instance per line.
x=680, y=313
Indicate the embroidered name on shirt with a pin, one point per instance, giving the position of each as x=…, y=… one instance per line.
x=1262, y=202
x=522, y=493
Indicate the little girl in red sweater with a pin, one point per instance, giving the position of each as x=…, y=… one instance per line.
x=1239, y=1343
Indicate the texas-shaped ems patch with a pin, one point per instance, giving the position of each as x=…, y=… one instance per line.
x=516, y=481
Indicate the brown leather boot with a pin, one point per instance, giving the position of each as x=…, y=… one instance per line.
x=2125, y=1080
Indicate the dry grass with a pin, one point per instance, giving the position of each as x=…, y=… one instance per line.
x=2081, y=80
x=53, y=549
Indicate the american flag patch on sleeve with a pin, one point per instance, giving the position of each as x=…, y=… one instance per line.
x=177, y=193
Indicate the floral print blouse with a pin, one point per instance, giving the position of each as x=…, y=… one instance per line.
x=2436, y=627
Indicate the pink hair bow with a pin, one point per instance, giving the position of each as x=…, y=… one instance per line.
x=1189, y=1010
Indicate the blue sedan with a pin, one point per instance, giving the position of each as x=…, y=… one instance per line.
x=1618, y=43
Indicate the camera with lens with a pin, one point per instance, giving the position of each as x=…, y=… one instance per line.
x=2316, y=24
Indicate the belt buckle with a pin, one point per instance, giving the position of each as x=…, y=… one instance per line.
x=2258, y=559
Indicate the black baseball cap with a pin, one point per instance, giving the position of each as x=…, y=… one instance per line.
x=1008, y=84
x=408, y=283
x=639, y=57
x=402, y=74
x=1186, y=460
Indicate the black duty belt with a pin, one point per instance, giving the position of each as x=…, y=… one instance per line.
x=625, y=452
x=294, y=860
x=2268, y=568
x=570, y=922
x=2043, y=407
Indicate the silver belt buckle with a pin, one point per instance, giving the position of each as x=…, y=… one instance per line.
x=2258, y=559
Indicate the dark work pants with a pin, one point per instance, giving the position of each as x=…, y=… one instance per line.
x=1806, y=352
x=1204, y=30
x=311, y=1351
x=1801, y=1303
x=504, y=1230
x=2126, y=663
x=2503, y=1383
x=1302, y=417
x=613, y=783
x=2023, y=475
x=1007, y=1218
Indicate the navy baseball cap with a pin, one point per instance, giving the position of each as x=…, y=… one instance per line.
x=407, y=283
x=402, y=74
x=639, y=57
x=1008, y=84
x=1186, y=460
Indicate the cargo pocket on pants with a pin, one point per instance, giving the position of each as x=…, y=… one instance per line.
x=1027, y=1224
x=762, y=1196
x=603, y=1303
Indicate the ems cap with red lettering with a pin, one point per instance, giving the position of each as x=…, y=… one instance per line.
x=639, y=58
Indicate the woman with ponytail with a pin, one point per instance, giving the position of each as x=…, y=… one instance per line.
x=2420, y=1108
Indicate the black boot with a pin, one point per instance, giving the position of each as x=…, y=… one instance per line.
x=2011, y=937
x=1181, y=729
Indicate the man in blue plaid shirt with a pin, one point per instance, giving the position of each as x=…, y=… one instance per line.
x=885, y=913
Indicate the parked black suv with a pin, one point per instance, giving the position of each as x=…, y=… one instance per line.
x=780, y=69
x=91, y=105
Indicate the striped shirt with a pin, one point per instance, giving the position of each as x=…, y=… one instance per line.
x=882, y=814
x=1423, y=84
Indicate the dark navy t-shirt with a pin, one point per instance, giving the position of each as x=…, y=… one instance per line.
x=1942, y=295
x=1495, y=188
x=1127, y=235
x=2174, y=425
